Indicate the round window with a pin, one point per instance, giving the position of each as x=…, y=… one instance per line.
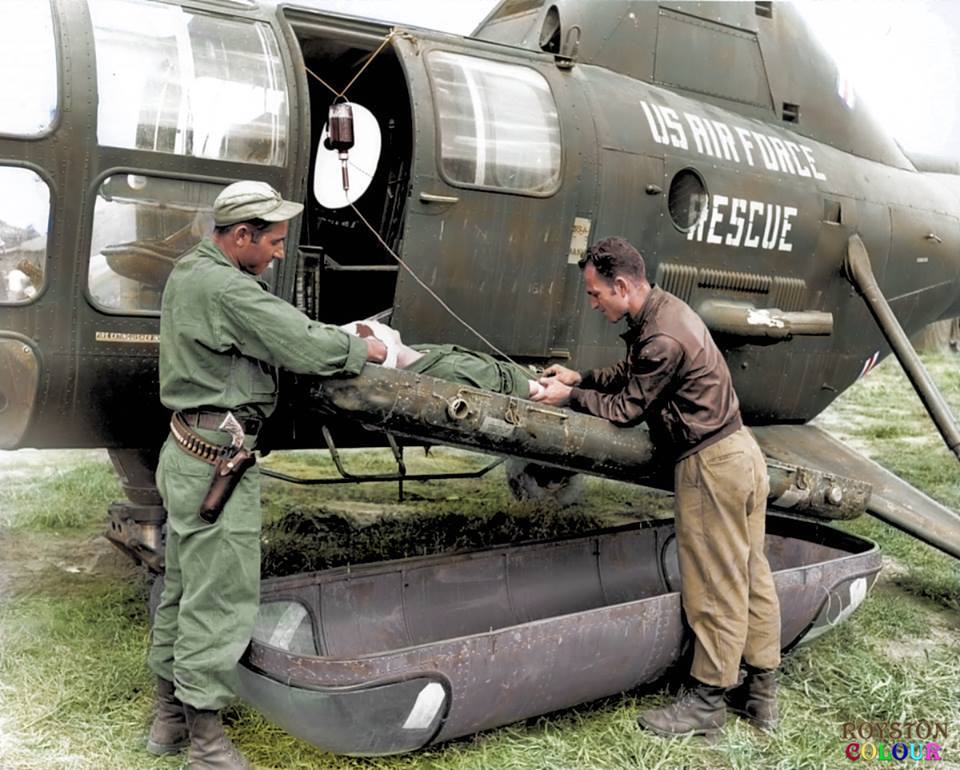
x=687, y=199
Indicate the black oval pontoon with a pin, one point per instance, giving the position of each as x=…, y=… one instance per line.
x=388, y=657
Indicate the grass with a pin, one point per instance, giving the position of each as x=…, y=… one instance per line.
x=74, y=689
x=913, y=450
x=70, y=499
x=74, y=692
x=305, y=530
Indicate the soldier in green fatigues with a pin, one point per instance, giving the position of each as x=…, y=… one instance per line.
x=221, y=337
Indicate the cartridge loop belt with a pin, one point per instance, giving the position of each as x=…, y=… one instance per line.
x=193, y=444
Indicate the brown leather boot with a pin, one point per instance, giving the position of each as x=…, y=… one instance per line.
x=210, y=748
x=699, y=710
x=755, y=697
x=168, y=733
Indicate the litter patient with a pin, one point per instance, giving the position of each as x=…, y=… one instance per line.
x=450, y=362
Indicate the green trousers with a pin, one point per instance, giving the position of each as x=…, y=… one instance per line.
x=471, y=367
x=727, y=589
x=212, y=585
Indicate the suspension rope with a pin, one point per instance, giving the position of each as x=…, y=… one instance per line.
x=340, y=94
x=430, y=291
x=326, y=85
x=373, y=56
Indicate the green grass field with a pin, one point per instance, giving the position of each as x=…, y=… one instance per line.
x=74, y=692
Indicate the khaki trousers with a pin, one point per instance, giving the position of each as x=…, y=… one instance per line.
x=727, y=588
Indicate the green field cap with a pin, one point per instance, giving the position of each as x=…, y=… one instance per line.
x=246, y=200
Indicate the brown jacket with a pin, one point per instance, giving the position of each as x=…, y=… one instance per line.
x=674, y=377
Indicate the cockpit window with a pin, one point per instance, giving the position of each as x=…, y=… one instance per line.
x=141, y=226
x=176, y=81
x=24, y=221
x=498, y=124
x=28, y=68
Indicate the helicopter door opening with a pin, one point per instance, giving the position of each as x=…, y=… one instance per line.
x=344, y=272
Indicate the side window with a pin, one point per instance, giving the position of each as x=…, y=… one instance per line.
x=28, y=68
x=498, y=124
x=187, y=83
x=141, y=226
x=24, y=222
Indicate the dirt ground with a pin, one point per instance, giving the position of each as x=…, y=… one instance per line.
x=27, y=556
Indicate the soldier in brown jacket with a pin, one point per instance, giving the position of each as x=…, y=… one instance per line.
x=676, y=380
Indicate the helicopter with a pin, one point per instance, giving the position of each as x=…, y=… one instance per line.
x=717, y=137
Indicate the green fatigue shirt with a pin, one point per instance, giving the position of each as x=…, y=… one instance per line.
x=222, y=332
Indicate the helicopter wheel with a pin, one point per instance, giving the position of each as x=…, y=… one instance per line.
x=543, y=483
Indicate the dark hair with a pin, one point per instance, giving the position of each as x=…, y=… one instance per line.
x=257, y=225
x=615, y=256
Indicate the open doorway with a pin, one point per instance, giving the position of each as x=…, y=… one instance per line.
x=344, y=272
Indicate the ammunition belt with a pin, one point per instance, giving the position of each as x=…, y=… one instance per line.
x=193, y=444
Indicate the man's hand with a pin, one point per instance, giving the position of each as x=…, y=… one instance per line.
x=562, y=374
x=381, y=334
x=554, y=392
x=376, y=350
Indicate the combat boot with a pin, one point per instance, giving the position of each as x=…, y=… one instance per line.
x=210, y=748
x=700, y=710
x=755, y=697
x=168, y=733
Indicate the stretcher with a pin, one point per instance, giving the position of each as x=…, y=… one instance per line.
x=390, y=657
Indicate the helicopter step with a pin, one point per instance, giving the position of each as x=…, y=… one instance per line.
x=891, y=499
